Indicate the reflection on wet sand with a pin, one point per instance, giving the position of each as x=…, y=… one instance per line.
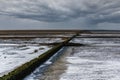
x=58, y=68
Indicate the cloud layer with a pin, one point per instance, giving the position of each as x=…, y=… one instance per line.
x=94, y=11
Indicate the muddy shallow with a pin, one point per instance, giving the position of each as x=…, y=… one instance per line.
x=86, y=63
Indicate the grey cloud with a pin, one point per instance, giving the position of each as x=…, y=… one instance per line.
x=94, y=11
x=109, y=11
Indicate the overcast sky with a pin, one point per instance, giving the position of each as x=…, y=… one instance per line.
x=60, y=14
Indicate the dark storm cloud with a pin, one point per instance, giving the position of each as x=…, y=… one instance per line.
x=94, y=11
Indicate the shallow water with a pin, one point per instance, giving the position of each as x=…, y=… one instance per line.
x=92, y=65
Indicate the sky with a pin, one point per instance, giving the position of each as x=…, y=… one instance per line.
x=60, y=14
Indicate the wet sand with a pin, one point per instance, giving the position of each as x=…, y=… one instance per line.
x=87, y=63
